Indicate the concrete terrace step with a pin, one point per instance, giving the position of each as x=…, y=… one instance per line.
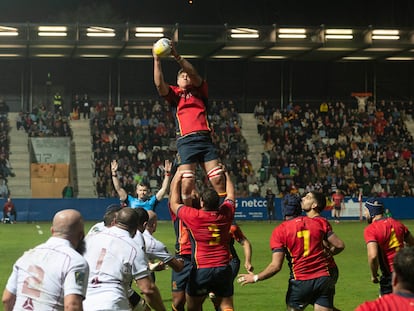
x=253, y=139
x=83, y=157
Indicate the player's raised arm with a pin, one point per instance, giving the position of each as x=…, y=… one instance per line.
x=160, y=84
x=167, y=173
x=229, y=187
x=121, y=191
x=187, y=67
x=175, y=191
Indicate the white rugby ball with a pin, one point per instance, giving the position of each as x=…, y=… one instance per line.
x=162, y=47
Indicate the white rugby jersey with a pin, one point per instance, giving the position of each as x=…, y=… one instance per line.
x=115, y=260
x=155, y=249
x=44, y=275
x=98, y=227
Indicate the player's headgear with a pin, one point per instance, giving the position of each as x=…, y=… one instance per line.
x=374, y=206
x=291, y=205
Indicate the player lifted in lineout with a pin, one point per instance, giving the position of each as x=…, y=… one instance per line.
x=194, y=144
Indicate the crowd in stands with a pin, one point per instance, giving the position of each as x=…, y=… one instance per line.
x=355, y=147
x=140, y=135
x=42, y=122
x=363, y=147
x=5, y=166
x=328, y=146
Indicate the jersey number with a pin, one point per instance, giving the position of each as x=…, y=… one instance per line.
x=306, y=241
x=393, y=242
x=32, y=284
x=215, y=235
x=100, y=259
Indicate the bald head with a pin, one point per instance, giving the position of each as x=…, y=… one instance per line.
x=127, y=219
x=68, y=224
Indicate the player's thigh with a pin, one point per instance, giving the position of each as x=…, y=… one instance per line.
x=179, y=280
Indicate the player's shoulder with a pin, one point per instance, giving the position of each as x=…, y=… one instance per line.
x=322, y=221
x=386, y=302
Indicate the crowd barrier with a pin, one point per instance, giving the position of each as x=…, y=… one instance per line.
x=32, y=210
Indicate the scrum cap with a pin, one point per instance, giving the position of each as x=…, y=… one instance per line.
x=374, y=206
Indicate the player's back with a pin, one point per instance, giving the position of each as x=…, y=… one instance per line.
x=112, y=257
x=210, y=234
x=302, y=238
x=389, y=234
x=42, y=273
x=391, y=302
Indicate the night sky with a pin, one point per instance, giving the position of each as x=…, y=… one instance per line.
x=359, y=13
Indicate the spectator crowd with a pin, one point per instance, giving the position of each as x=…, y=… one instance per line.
x=363, y=148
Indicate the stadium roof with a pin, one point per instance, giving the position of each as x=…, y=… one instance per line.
x=236, y=42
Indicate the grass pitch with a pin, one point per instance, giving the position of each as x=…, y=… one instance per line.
x=353, y=287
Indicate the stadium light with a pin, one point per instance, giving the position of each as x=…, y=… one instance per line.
x=339, y=34
x=149, y=32
x=292, y=33
x=383, y=34
x=96, y=31
x=244, y=33
x=8, y=31
x=52, y=31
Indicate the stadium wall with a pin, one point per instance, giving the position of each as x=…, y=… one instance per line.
x=32, y=210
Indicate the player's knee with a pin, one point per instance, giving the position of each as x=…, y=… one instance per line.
x=217, y=179
x=188, y=175
x=187, y=184
x=216, y=172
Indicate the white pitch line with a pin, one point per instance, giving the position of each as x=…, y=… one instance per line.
x=39, y=231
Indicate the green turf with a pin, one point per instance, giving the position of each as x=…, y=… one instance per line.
x=353, y=287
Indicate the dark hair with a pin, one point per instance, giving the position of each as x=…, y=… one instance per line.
x=404, y=267
x=195, y=200
x=210, y=199
x=320, y=200
x=110, y=213
x=142, y=184
x=142, y=216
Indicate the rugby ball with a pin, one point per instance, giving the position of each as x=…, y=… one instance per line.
x=162, y=47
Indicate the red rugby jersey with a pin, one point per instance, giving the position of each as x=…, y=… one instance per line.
x=390, y=302
x=210, y=233
x=301, y=240
x=389, y=234
x=328, y=231
x=190, y=108
x=182, y=242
